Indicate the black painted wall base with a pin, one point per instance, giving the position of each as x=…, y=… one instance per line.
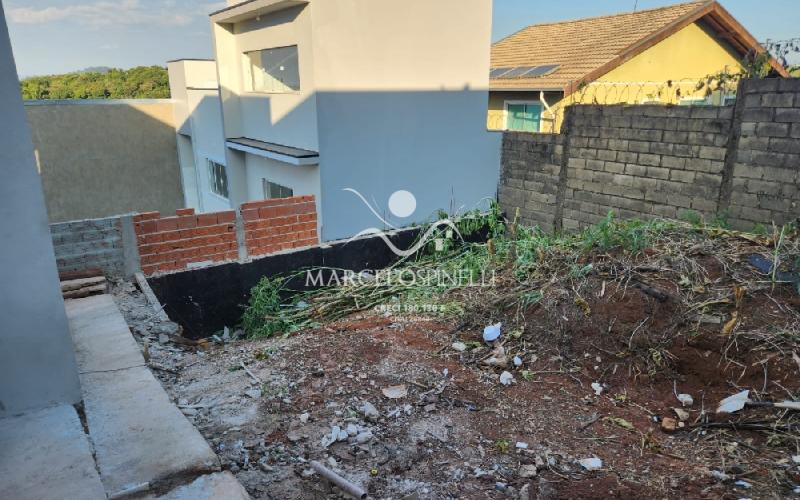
x=205, y=300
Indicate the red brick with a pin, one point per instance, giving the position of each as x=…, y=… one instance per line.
x=206, y=219
x=146, y=216
x=187, y=222
x=226, y=217
x=184, y=211
x=167, y=224
x=250, y=214
x=149, y=270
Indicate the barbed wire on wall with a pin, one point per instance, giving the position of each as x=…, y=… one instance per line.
x=786, y=52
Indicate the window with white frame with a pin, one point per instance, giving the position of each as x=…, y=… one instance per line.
x=217, y=178
x=275, y=190
x=275, y=70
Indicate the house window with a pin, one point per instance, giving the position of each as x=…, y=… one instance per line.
x=273, y=70
x=217, y=178
x=695, y=101
x=523, y=116
x=274, y=190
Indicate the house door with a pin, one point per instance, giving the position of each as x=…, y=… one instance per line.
x=524, y=117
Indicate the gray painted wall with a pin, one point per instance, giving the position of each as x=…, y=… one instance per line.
x=102, y=158
x=37, y=362
x=433, y=144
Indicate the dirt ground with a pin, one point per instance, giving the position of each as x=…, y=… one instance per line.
x=452, y=430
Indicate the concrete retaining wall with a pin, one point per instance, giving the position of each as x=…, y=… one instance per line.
x=739, y=162
x=99, y=158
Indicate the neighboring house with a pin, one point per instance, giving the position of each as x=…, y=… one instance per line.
x=651, y=56
x=327, y=96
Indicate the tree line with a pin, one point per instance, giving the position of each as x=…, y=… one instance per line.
x=143, y=82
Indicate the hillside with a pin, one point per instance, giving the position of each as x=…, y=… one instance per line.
x=142, y=82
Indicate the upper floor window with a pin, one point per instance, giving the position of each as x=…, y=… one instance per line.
x=272, y=70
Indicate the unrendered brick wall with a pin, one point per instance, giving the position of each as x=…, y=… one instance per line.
x=280, y=224
x=739, y=162
x=175, y=243
x=89, y=244
x=152, y=243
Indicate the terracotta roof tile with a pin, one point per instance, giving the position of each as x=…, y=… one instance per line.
x=579, y=46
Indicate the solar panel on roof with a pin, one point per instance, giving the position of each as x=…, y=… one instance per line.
x=497, y=72
x=517, y=72
x=541, y=70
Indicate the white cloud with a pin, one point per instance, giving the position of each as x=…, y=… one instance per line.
x=104, y=13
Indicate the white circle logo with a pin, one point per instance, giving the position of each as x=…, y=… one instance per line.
x=402, y=203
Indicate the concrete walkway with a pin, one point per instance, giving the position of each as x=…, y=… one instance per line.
x=46, y=455
x=141, y=439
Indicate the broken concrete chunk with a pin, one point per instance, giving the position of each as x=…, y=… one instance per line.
x=364, y=437
x=304, y=418
x=369, y=411
x=395, y=391
x=686, y=399
x=683, y=415
x=527, y=471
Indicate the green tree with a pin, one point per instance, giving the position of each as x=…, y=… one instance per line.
x=143, y=82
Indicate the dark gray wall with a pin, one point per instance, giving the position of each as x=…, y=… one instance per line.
x=37, y=362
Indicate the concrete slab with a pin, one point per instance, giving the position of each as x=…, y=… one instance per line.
x=139, y=435
x=219, y=486
x=101, y=336
x=45, y=455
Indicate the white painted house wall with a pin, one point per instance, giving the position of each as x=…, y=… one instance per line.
x=392, y=96
x=198, y=113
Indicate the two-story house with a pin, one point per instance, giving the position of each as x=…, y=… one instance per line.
x=353, y=101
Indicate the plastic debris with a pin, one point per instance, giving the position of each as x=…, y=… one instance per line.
x=492, y=332
x=743, y=484
x=521, y=445
x=506, y=378
x=395, y=391
x=590, y=464
x=597, y=388
x=719, y=475
x=459, y=346
x=517, y=361
x=686, y=399
x=733, y=403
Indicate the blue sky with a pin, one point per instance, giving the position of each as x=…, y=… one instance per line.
x=56, y=36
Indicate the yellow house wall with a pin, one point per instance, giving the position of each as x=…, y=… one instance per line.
x=684, y=58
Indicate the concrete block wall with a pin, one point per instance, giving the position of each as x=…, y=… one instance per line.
x=175, y=243
x=280, y=224
x=741, y=162
x=530, y=177
x=765, y=183
x=644, y=161
x=89, y=244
